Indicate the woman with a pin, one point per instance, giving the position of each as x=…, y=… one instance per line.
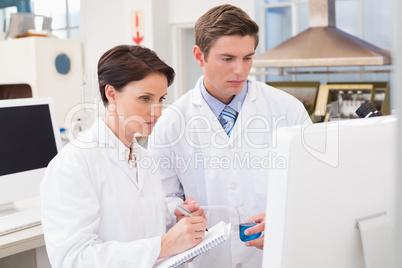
x=102, y=199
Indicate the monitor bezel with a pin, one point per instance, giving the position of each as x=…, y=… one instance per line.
x=10, y=184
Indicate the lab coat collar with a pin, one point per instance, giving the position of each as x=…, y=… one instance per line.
x=198, y=99
x=252, y=90
x=246, y=112
x=121, y=153
x=144, y=162
x=108, y=139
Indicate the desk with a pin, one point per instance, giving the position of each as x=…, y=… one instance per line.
x=24, y=248
x=20, y=241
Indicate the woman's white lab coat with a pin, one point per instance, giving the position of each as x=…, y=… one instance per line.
x=94, y=211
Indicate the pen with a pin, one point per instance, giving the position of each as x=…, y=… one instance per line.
x=185, y=211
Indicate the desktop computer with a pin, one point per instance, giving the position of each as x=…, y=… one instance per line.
x=29, y=139
x=332, y=204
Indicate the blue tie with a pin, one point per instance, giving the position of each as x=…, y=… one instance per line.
x=227, y=118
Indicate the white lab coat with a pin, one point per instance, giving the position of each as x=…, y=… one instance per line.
x=94, y=211
x=198, y=159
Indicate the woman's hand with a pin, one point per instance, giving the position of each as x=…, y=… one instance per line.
x=192, y=206
x=185, y=234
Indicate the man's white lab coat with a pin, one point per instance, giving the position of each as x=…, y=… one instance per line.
x=94, y=211
x=198, y=159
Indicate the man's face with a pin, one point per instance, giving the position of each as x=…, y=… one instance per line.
x=227, y=67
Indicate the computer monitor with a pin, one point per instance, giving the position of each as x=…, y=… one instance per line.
x=337, y=174
x=29, y=139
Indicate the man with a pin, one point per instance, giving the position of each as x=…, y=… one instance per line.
x=213, y=144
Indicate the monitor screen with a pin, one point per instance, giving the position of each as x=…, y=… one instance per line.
x=337, y=174
x=29, y=139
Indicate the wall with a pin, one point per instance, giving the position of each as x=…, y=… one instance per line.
x=191, y=10
x=105, y=24
x=182, y=25
x=101, y=28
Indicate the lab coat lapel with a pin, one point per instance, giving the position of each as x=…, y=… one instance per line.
x=119, y=155
x=247, y=112
x=123, y=163
x=144, y=164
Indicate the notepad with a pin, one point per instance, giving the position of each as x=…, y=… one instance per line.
x=216, y=235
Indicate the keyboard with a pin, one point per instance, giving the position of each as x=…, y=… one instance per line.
x=19, y=220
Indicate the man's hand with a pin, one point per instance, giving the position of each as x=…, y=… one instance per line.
x=260, y=227
x=192, y=206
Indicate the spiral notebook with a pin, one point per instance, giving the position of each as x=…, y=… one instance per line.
x=216, y=235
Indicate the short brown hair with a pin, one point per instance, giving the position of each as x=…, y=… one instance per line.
x=126, y=63
x=220, y=21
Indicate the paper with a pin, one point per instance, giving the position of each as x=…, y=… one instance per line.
x=216, y=235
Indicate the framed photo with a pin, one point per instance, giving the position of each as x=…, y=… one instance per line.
x=382, y=98
x=340, y=101
x=304, y=91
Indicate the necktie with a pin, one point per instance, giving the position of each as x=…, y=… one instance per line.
x=227, y=118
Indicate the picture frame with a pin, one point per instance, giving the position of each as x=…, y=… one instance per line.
x=304, y=91
x=382, y=95
x=340, y=101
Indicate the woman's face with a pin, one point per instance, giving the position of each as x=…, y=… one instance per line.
x=139, y=104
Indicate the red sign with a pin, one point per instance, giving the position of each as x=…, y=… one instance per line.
x=137, y=26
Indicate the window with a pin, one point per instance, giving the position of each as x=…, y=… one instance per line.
x=65, y=16
x=5, y=15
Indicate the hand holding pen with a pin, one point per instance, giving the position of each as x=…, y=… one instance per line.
x=189, y=206
x=185, y=211
x=185, y=234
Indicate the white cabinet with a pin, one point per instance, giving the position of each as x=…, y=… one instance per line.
x=50, y=67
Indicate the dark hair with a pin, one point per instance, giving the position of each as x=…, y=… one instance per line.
x=220, y=21
x=125, y=63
